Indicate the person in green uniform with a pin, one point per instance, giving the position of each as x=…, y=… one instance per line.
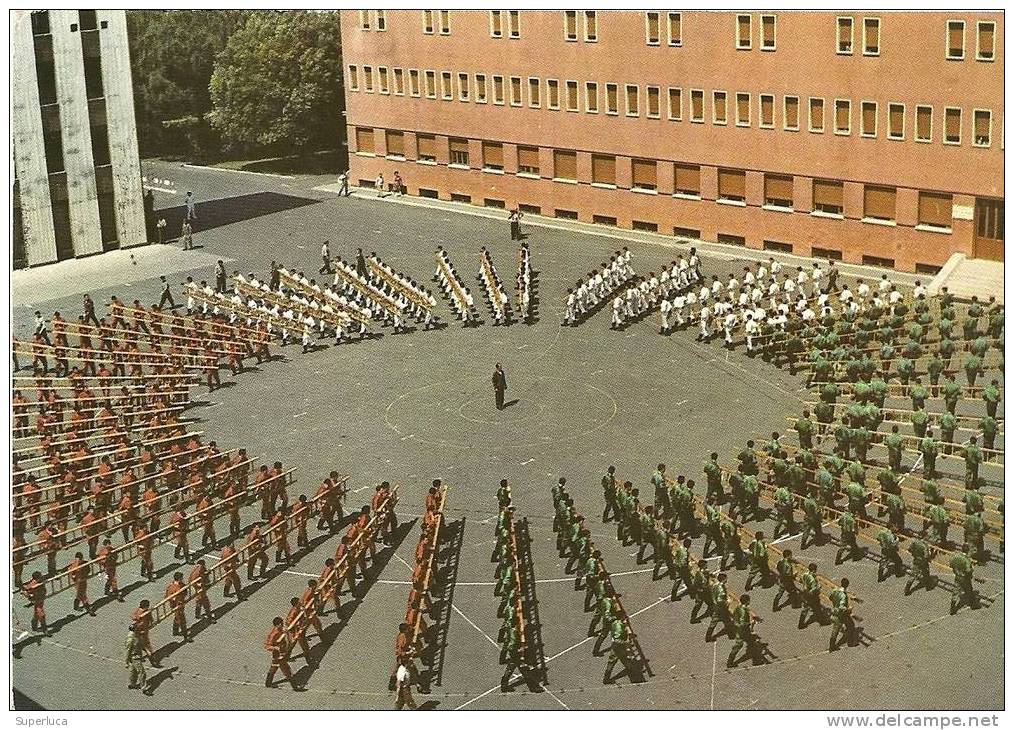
x=964, y=593
x=610, y=511
x=661, y=553
x=948, y=425
x=713, y=474
x=592, y=573
x=824, y=413
x=946, y=348
x=804, y=430
x=973, y=366
x=621, y=646
x=970, y=328
x=720, y=610
x=988, y=426
x=906, y=369
x=759, y=566
x=894, y=444
x=812, y=609
x=751, y=497
x=785, y=569
x=784, y=512
x=918, y=393
x=920, y=576
x=973, y=501
x=748, y=460
x=743, y=623
x=928, y=449
x=712, y=530
x=952, y=394
x=579, y=542
x=511, y=653
x=737, y=494
x=878, y=391
x=973, y=457
x=934, y=367
x=849, y=529
x=135, y=662
x=646, y=532
x=700, y=590
x=681, y=563
x=732, y=545
x=858, y=497
x=842, y=434
x=602, y=620
x=661, y=493
x=931, y=493
x=827, y=488
x=812, y=523
x=842, y=620
x=890, y=555
x=975, y=531
x=896, y=511
x=991, y=394
x=920, y=420
x=938, y=521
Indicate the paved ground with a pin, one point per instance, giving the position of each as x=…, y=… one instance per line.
x=412, y=407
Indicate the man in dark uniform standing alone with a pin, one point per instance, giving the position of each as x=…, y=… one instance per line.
x=499, y=385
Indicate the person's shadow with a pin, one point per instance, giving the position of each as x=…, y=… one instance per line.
x=509, y=403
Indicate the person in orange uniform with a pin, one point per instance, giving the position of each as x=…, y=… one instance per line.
x=325, y=499
x=92, y=528
x=279, y=528
x=107, y=559
x=311, y=601
x=79, y=577
x=264, y=490
x=179, y=523
x=278, y=644
x=35, y=590
x=256, y=553
x=141, y=617
x=233, y=501
x=291, y=618
x=230, y=571
x=176, y=592
x=144, y=541
x=329, y=589
x=300, y=515
x=50, y=543
x=206, y=510
x=199, y=580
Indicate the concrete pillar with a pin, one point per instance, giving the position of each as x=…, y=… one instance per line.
x=118, y=87
x=29, y=151
x=72, y=98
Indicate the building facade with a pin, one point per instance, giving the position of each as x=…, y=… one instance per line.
x=77, y=187
x=869, y=137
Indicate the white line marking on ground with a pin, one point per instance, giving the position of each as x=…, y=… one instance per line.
x=472, y=624
x=556, y=698
x=714, y=671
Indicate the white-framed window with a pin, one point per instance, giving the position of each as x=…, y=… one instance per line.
x=446, y=91
x=654, y=102
x=368, y=79
x=381, y=20
x=413, y=82
x=427, y=19
x=652, y=28
x=591, y=97
x=766, y=111
x=895, y=120
x=516, y=89
x=868, y=119
x=633, y=98
x=570, y=25
x=445, y=22
x=399, y=82
x=514, y=24
x=612, y=99
x=871, y=36
x=364, y=19
x=719, y=107
x=744, y=32
x=985, y=40
x=498, y=90
x=923, y=123
x=382, y=86
x=742, y=109
x=552, y=94
x=769, y=31
x=675, y=29
x=845, y=36
x=697, y=106
x=480, y=89
x=952, y=125
x=591, y=26
x=790, y=113
x=464, y=92
x=534, y=92
x=982, y=127
x=431, y=84
x=842, y=116
x=496, y=24
x=573, y=103
x=675, y=104
x=353, y=76
x=955, y=40
x=816, y=110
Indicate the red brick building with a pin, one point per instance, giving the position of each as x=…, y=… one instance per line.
x=868, y=136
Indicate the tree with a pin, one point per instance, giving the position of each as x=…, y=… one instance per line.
x=172, y=56
x=277, y=84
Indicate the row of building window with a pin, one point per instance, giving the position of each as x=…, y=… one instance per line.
x=726, y=108
x=879, y=201
x=668, y=26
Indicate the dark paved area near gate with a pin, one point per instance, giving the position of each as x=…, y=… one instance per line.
x=413, y=407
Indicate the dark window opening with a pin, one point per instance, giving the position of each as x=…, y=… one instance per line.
x=52, y=139
x=61, y=216
x=931, y=269
x=731, y=239
x=40, y=22
x=461, y=198
x=878, y=261
x=428, y=193
x=645, y=226
x=107, y=206
x=87, y=19
x=778, y=246
x=494, y=203
x=45, y=70
x=604, y=220
x=99, y=132
x=680, y=232
x=832, y=254
x=526, y=208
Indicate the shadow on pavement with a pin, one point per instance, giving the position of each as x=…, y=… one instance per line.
x=225, y=211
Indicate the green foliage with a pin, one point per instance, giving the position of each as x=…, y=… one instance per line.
x=277, y=84
x=172, y=55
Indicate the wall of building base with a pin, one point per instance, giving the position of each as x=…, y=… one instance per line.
x=903, y=243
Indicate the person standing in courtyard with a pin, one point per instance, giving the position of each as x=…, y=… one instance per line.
x=187, y=234
x=325, y=257
x=220, y=277
x=167, y=295
x=191, y=208
x=515, y=220
x=343, y=184
x=499, y=385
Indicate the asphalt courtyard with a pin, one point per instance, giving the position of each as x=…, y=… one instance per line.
x=412, y=407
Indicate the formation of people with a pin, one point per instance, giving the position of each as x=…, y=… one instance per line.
x=591, y=292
